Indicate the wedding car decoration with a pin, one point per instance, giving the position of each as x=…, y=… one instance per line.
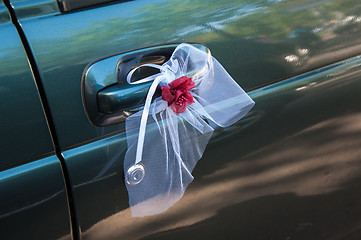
x=168, y=137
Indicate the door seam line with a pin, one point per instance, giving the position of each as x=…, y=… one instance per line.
x=75, y=232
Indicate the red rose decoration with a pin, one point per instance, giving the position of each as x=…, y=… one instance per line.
x=177, y=94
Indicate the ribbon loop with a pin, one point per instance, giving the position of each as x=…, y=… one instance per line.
x=144, y=80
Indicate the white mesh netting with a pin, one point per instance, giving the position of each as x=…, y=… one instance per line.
x=159, y=169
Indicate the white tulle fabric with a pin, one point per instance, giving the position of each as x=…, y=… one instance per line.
x=168, y=145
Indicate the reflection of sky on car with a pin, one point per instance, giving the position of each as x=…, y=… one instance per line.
x=131, y=20
x=225, y=16
x=17, y=174
x=83, y=36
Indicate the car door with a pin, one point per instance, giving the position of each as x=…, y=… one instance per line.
x=289, y=170
x=33, y=195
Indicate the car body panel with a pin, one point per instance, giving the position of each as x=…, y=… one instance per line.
x=64, y=44
x=24, y=131
x=34, y=8
x=289, y=170
x=261, y=173
x=33, y=199
x=4, y=15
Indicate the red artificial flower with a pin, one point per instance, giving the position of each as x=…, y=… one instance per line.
x=177, y=94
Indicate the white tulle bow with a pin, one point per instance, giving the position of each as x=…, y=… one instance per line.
x=164, y=146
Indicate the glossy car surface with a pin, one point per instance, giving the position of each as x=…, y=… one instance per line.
x=289, y=170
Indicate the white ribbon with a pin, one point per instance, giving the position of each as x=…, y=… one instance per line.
x=157, y=79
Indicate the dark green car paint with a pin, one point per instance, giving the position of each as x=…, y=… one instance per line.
x=24, y=132
x=251, y=38
x=4, y=15
x=33, y=201
x=239, y=176
x=289, y=170
x=34, y=8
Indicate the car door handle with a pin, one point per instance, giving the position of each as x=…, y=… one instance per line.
x=107, y=97
x=120, y=97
